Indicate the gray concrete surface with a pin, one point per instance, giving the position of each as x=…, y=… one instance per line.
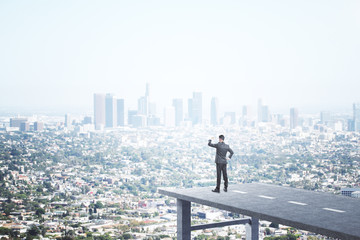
x=322, y=213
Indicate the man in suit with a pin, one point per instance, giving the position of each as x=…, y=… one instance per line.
x=221, y=161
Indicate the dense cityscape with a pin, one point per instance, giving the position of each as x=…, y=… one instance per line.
x=84, y=177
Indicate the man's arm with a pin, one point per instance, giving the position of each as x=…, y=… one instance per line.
x=231, y=152
x=212, y=144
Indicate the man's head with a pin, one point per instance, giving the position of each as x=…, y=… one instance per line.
x=221, y=138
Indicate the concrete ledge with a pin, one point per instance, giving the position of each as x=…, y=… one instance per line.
x=318, y=212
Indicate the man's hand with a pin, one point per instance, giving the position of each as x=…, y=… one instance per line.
x=227, y=158
x=209, y=140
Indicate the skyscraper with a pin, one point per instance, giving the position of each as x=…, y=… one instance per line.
x=265, y=113
x=294, y=118
x=67, y=120
x=25, y=126
x=356, y=116
x=214, y=112
x=179, y=115
x=99, y=110
x=131, y=117
x=143, y=106
x=120, y=112
x=196, y=108
x=245, y=111
x=38, y=126
x=16, y=122
x=110, y=111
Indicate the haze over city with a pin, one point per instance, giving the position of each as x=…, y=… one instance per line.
x=165, y=120
x=55, y=55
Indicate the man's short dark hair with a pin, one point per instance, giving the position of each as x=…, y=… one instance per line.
x=222, y=137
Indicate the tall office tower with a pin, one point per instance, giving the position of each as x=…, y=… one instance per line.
x=143, y=106
x=197, y=108
x=169, y=117
x=294, y=118
x=260, y=110
x=325, y=117
x=245, y=111
x=265, y=113
x=25, y=126
x=38, y=126
x=110, y=111
x=350, y=125
x=99, y=110
x=120, y=112
x=214, y=112
x=67, y=120
x=131, y=116
x=179, y=111
x=16, y=122
x=356, y=117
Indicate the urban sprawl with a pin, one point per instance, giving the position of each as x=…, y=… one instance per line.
x=97, y=177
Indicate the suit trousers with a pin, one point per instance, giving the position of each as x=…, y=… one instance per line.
x=221, y=167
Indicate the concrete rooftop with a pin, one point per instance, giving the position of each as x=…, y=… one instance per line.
x=318, y=212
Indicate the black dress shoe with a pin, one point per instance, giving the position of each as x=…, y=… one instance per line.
x=225, y=189
x=215, y=190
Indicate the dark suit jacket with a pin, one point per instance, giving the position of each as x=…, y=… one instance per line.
x=221, y=151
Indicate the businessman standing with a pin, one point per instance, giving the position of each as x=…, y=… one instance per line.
x=221, y=161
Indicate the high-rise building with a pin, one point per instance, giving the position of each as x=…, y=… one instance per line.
x=131, y=116
x=16, y=122
x=350, y=125
x=179, y=115
x=25, y=126
x=143, y=102
x=67, y=120
x=38, y=126
x=143, y=105
x=110, y=111
x=120, y=112
x=99, y=110
x=245, y=111
x=356, y=116
x=195, y=110
x=265, y=113
x=294, y=118
x=169, y=117
x=214, y=111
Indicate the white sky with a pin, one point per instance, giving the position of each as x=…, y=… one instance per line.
x=56, y=54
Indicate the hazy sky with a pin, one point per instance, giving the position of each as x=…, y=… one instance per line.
x=291, y=53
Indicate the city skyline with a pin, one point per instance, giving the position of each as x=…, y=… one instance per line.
x=291, y=54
